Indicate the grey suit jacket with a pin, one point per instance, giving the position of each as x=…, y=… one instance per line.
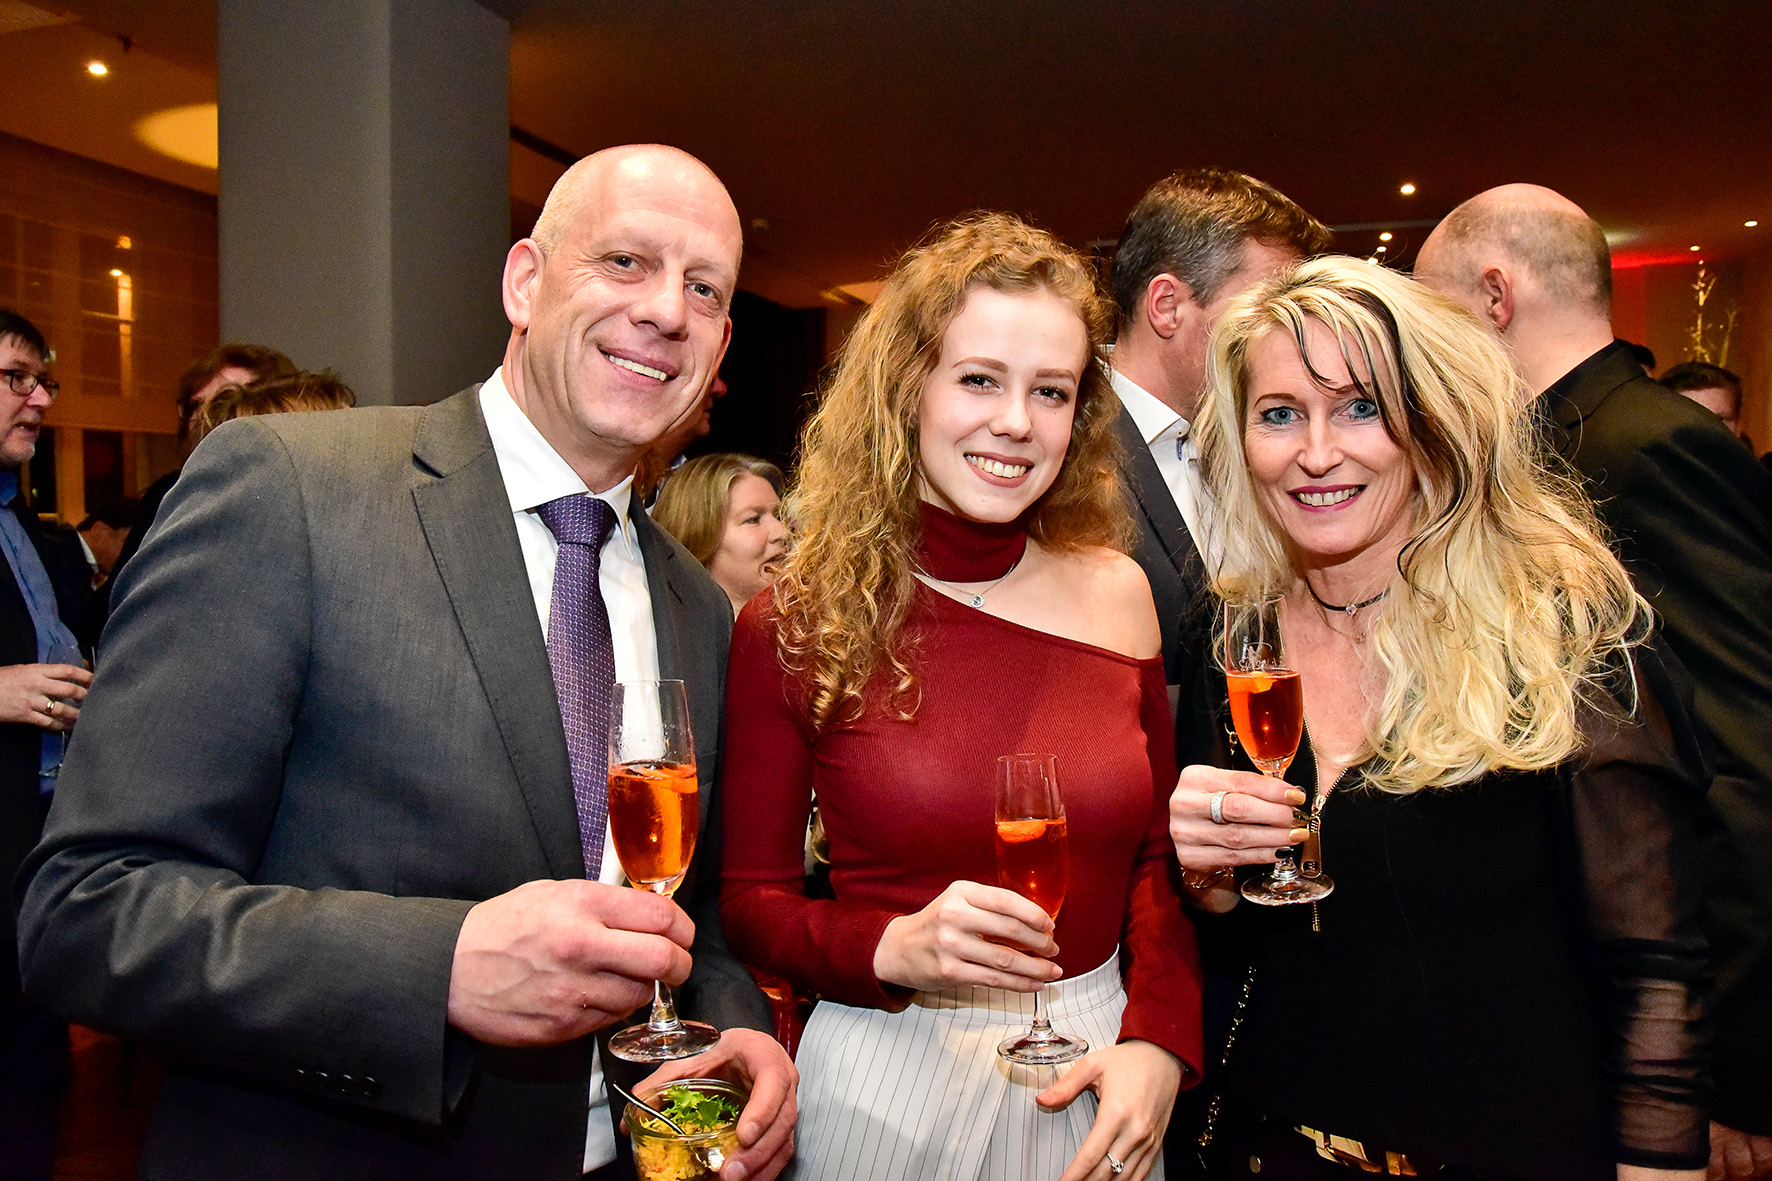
x=323, y=727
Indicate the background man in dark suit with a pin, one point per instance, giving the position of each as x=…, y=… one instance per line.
x=42, y=682
x=319, y=837
x=1195, y=241
x=1691, y=514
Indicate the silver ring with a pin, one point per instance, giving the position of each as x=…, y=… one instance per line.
x=1218, y=807
x=1115, y=1163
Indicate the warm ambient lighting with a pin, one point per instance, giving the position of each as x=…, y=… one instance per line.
x=1408, y=190
x=1373, y=260
x=1385, y=237
x=184, y=133
x=97, y=69
x=1382, y=249
x=123, y=242
x=1692, y=248
x=1750, y=224
x=115, y=273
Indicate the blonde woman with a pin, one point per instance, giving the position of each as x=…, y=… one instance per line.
x=726, y=510
x=954, y=595
x=1507, y=979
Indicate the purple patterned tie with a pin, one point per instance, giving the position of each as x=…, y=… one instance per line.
x=581, y=656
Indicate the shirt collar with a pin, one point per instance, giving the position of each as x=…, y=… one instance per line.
x=534, y=473
x=1152, y=418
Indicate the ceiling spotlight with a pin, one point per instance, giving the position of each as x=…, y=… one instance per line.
x=1692, y=248
x=1750, y=224
x=115, y=273
x=97, y=69
x=1385, y=237
x=1408, y=189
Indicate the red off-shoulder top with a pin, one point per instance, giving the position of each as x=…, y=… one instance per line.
x=908, y=808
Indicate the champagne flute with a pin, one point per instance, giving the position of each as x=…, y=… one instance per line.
x=654, y=811
x=1267, y=708
x=1034, y=860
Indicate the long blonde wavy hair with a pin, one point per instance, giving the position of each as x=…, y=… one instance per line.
x=845, y=593
x=1507, y=608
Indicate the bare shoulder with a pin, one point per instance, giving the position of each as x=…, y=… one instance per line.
x=1107, y=577
x=1113, y=595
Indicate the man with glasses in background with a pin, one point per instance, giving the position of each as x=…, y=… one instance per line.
x=43, y=679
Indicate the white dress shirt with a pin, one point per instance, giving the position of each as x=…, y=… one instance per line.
x=534, y=473
x=1169, y=436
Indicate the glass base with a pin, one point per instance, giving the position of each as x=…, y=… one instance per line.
x=1274, y=891
x=1042, y=1049
x=643, y=1043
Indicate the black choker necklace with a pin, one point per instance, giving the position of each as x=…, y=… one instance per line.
x=1350, y=609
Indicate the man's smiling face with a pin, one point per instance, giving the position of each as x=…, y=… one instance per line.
x=626, y=316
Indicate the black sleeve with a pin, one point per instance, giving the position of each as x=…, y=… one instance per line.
x=1637, y=807
x=1693, y=513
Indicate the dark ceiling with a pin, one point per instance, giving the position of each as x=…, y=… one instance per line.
x=850, y=127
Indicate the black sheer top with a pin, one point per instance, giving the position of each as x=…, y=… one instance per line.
x=1509, y=976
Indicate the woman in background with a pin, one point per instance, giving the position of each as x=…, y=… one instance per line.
x=954, y=595
x=726, y=510
x=1508, y=980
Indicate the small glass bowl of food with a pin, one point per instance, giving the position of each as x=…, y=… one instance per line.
x=707, y=1111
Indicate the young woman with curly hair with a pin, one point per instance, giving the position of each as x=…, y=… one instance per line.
x=957, y=593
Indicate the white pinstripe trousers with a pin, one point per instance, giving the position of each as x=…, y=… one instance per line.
x=921, y=1095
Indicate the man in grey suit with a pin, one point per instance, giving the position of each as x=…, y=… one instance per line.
x=1196, y=240
x=318, y=839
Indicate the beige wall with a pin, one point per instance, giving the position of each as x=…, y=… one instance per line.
x=1752, y=356
x=1657, y=306
x=120, y=339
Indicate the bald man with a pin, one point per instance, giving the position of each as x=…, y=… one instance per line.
x=336, y=842
x=1691, y=513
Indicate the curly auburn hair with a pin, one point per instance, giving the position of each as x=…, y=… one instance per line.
x=845, y=593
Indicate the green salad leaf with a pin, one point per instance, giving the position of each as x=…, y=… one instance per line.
x=698, y=1111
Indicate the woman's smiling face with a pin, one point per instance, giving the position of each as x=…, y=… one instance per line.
x=995, y=419
x=1319, y=454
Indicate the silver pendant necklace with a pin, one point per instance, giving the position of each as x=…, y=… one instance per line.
x=972, y=598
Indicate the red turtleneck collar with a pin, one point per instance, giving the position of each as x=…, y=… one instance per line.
x=954, y=549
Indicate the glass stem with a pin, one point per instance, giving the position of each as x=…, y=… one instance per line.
x=664, y=1009
x=1286, y=860
x=664, y=1005
x=1042, y=1029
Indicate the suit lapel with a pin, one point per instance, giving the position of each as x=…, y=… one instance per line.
x=1152, y=495
x=667, y=597
x=672, y=627
x=466, y=516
